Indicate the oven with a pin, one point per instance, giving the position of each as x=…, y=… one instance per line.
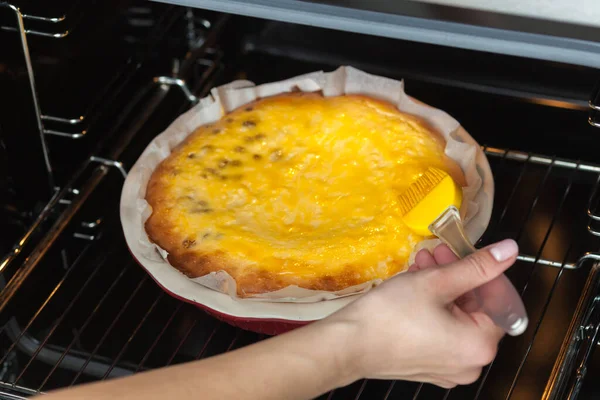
x=85, y=85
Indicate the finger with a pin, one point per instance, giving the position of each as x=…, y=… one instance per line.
x=443, y=255
x=468, y=302
x=485, y=323
x=424, y=259
x=482, y=323
x=413, y=268
x=474, y=270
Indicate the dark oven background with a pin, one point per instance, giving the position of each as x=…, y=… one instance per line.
x=111, y=75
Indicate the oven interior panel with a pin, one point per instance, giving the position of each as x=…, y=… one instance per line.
x=89, y=312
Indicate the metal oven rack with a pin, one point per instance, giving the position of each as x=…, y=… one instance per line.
x=75, y=308
x=104, y=317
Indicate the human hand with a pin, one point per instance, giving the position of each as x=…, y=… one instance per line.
x=424, y=325
x=442, y=255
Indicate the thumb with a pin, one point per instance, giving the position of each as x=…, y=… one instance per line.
x=475, y=270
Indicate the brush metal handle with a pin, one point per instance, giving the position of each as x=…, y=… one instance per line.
x=502, y=301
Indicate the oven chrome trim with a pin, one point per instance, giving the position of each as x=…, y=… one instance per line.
x=501, y=41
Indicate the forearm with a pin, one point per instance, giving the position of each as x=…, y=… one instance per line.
x=298, y=365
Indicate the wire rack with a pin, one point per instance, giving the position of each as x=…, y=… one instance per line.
x=104, y=317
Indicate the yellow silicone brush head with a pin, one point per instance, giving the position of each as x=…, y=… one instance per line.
x=427, y=198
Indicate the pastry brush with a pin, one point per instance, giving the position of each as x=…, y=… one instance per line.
x=430, y=206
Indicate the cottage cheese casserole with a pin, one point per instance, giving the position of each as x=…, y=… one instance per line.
x=294, y=189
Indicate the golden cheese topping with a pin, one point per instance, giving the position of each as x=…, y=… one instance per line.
x=298, y=186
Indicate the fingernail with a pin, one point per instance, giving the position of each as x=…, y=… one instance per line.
x=504, y=250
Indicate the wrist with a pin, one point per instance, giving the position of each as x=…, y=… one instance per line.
x=340, y=340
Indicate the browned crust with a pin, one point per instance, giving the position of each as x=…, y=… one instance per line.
x=196, y=262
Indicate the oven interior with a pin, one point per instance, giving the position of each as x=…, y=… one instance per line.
x=109, y=76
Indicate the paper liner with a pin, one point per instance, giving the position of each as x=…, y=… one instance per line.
x=216, y=287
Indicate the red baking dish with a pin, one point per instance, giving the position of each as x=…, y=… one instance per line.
x=267, y=326
x=274, y=316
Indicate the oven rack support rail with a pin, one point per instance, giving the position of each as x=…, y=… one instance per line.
x=41, y=182
x=594, y=105
x=202, y=53
x=593, y=211
x=65, y=196
x=53, y=27
x=201, y=35
x=73, y=196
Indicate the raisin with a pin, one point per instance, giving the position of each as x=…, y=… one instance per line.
x=216, y=131
x=223, y=163
x=249, y=123
x=254, y=138
x=229, y=120
x=211, y=171
x=239, y=149
x=235, y=163
x=248, y=109
x=187, y=243
x=201, y=206
x=191, y=155
x=257, y=157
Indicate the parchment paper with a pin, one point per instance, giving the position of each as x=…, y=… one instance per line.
x=460, y=146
